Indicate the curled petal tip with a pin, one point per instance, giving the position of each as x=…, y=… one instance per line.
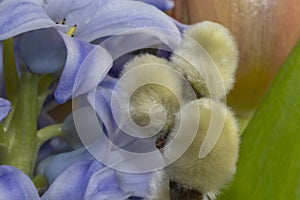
x=85, y=67
x=4, y=108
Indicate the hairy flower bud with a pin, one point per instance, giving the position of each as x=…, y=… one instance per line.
x=208, y=58
x=153, y=88
x=211, y=173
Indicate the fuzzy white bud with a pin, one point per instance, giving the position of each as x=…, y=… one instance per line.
x=157, y=92
x=208, y=58
x=210, y=173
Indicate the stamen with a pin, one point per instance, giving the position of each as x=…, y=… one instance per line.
x=71, y=31
x=63, y=22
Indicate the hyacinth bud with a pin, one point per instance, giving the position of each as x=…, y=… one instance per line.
x=211, y=173
x=195, y=176
x=265, y=32
x=153, y=89
x=208, y=58
x=42, y=51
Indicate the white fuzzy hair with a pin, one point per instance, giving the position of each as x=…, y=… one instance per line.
x=164, y=82
x=159, y=187
x=203, y=43
x=211, y=173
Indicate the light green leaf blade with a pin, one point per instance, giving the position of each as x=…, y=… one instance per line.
x=269, y=163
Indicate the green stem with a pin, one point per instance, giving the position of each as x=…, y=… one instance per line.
x=41, y=183
x=49, y=132
x=11, y=77
x=3, y=136
x=44, y=83
x=23, y=143
x=3, y=141
x=8, y=119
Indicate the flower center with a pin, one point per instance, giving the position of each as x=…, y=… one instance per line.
x=71, y=31
x=63, y=22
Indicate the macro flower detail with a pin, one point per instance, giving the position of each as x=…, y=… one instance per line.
x=51, y=25
x=211, y=173
x=80, y=162
x=144, y=112
x=183, y=93
x=87, y=179
x=4, y=108
x=161, y=99
x=15, y=185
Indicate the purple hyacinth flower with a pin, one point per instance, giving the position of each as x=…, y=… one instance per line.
x=61, y=32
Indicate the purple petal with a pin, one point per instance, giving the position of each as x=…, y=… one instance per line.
x=119, y=16
x=161, y=4
x=15, y=185
x=62, y=161
x=72, y=183
x=19, y=16
x=103, y=185
x=52, y=147
x=73, y=11
x=4, y=108
x=85, y=67
x=136, y=184
x=101, y=101
x=60, y=9
x=132, y=148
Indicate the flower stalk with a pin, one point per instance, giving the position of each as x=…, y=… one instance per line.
x=23, y=145
x=19, y=138
x=49, y=132
x=11, y=75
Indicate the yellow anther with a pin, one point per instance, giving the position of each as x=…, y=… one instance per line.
x=71, y=31
x=63, y=22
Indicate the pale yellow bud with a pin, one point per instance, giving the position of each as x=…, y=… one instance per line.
x=208, y=58
x=157, y=88
x=212, y=172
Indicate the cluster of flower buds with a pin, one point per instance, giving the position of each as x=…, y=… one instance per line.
x=182, y=100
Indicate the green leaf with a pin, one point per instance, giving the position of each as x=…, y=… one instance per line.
x=269, y=163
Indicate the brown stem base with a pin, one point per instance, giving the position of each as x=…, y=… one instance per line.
x=178, y=192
